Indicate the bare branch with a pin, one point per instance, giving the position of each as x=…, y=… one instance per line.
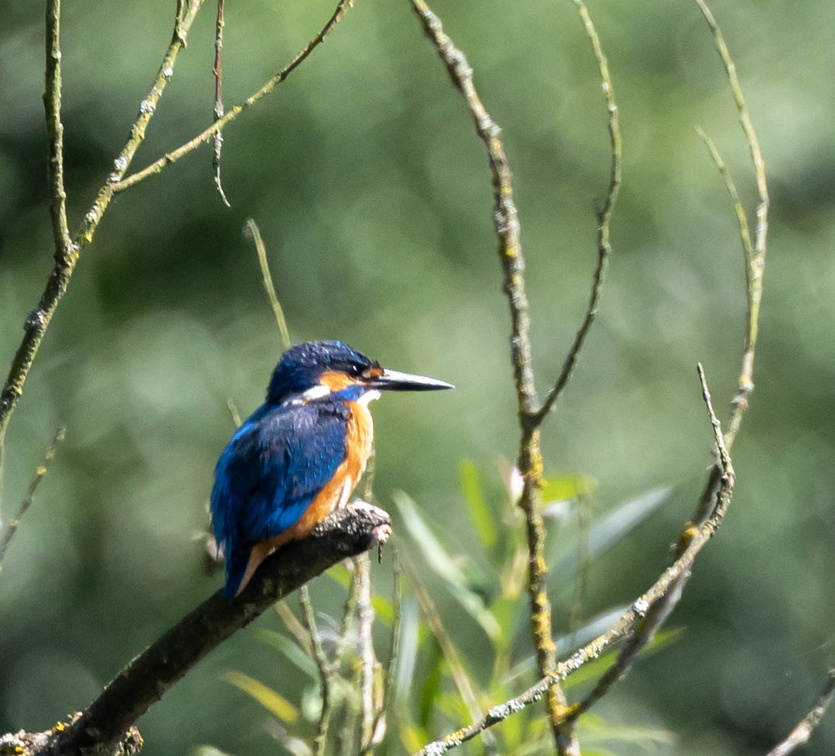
x=755, y=264
x=325, y=671
x=658, y=612
x=368, y=662
x=217, y=70
x=30, y=494
x=530, y=465
x=803, y=731
x=55, y=133
x=379, y=728
x=347, y=532
x=604, y=215
x=230, y=115
x=38, y=320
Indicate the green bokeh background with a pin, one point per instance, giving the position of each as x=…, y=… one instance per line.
x=373, y=197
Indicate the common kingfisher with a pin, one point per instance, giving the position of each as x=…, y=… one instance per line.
x=300, y=454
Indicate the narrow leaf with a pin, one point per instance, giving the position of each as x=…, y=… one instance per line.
x=266, y=696
x=480, y=514
x=443, y=565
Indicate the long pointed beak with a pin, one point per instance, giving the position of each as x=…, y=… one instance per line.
x=393, y=380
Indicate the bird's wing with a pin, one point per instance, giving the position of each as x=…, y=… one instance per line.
x=272, y=469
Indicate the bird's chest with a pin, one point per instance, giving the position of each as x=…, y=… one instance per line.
x=359, y=440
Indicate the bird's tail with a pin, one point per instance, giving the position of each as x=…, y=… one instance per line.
x=236, y=562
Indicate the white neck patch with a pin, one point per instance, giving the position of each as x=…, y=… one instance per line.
x=368, y=396
x=317, y=392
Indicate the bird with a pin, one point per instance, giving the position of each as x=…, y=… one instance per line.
x=300, y=455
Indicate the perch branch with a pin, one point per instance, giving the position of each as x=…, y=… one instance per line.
x=231, y=114
x=348, y=532
x=507, y=228
x=803, y=731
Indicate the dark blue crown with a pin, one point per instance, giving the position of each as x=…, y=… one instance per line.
x=301, y=366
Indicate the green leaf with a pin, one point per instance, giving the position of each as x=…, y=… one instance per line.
x=443, y=565
x=291, y=650
x=480, y=514
x=595, y=729
x=268, y=698
x=614, y=527
x=340, y=575
x=567, y=487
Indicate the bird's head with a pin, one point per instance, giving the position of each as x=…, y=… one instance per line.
x=320, y=368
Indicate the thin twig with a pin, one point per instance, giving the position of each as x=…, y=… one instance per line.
x=294, y=627
x=657, y=614
x=251, y=232
x=30, y=493
x=755, y=265
x=604, y=214
x=326, y=671
x=530, y=464
x=803, y=731
x=716, y=497
x=217, y=70
x=739, y=210
x=366, y=652
x=55, y=133
x=231, y=114
x=346, y=630
x=459, y=674
x=38, y=320
x=754, y=255
x=379, y=728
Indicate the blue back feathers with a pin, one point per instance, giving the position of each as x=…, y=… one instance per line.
x=269, y=474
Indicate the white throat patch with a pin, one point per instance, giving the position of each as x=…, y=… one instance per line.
x=368, y=396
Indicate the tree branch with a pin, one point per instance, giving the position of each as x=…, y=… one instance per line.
x=326, y=671
x=55, y=133
x=506, y=221
x=42, y=470
x=66, y=255
x=639, y=622
x=803, y=731
x=230, y=115
x=348, y=532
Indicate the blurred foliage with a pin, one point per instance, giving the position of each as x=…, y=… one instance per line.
x=373, y=199
x=428, y=676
